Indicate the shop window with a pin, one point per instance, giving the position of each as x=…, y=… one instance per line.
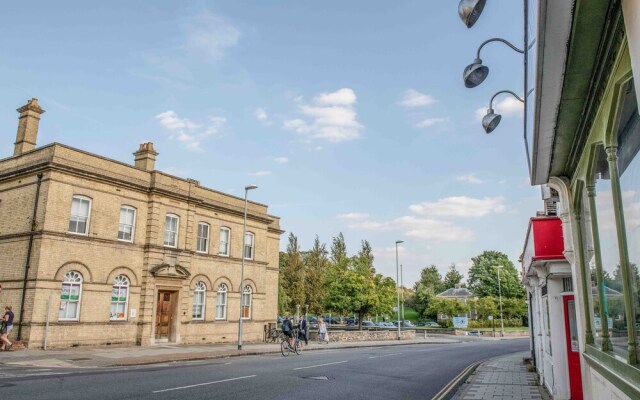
x=199, y=296
x=119, y=298
x=70, y=297
x=221, y=302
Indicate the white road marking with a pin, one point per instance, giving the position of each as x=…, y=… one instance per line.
x=322, y=365
x=203, y=384
x=386, y=355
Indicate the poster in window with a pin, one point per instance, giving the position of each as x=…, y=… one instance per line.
x=64, y=295
x=74, y=293
x=114, y=294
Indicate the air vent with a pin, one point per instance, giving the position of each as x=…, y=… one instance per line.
x=567, y=285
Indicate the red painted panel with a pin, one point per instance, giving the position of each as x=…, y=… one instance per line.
x=548, y=240
x=573, y=350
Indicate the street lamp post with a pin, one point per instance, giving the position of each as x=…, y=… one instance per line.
x=397, y=291
x=244, y=243
x=499, y=267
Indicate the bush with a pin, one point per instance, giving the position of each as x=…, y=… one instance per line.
x=485, y=323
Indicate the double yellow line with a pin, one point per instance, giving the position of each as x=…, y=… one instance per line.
x=445, y=391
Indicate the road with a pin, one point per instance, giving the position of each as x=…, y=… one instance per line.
x=415, y=371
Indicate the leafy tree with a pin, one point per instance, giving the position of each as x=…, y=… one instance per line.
x=429, y=285
x=452, y=277
x=338, y=249
x=293, y=275
x=486, y=306
x=483, y=276
x=448, y=307
x=316, y=265
x=283, y=298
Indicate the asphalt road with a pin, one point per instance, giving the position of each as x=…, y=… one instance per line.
x=416, y=371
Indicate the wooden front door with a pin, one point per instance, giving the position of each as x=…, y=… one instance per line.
x=573, y=349
x=164, y=314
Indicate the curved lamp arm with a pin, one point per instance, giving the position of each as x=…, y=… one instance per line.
x=498, y=40
x=504, y=91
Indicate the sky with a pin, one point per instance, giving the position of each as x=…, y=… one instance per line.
x=351, y=116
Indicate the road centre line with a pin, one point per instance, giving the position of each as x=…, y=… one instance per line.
x=204, y=384
x=386, y=355
x=322, y=365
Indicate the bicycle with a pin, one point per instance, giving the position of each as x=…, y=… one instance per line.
x=272, y=335
x=286, y=347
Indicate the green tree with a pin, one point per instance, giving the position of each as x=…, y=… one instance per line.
x=448, y=307
x=293, y=275
x=452, y=277
x=483, y=276
x=316, y=265
x=427, y=287
x=486, y=306
x=283, y=298
x=338, y=249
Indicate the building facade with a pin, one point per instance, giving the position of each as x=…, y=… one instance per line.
x=585, y=142
x=95, y=251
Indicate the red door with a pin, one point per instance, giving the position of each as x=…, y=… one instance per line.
x=573, y=350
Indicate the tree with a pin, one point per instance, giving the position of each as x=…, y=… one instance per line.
x=448, y=307
x=283, y=298
x=338, y=249
x=316, y=265
x=429, y=285
x=452, y=278
x=293, y=275
x=483, y=276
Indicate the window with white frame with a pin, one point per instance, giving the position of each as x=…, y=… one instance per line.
x=248, y=246
x=221, y=302
x=127, y=223
x=79, y=219
x=70, y=297
x=225, y=238
x=119, y=298
x=246, y=302
x=203, y=238
x=171, y=224
x=199, y=296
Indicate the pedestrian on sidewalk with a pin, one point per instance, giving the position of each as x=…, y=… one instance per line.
x=303, y=333
x=6, y=328
x=323, y=335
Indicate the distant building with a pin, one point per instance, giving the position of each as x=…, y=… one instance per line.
x=462, y=295
x=124, y=254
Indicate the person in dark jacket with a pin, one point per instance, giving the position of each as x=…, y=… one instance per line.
x=287, y=329
x=303, y=332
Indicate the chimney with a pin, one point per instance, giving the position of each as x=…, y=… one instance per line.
x=146, y=157
x=27, y=127
x=457, y=285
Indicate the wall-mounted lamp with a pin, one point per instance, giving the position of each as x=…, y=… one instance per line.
x=470, y=10
x=475, y=73
x=491, y=120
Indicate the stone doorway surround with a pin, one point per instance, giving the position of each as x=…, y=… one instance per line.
x=169, y=279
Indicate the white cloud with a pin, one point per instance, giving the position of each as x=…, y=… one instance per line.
x=332, y=117
x=461, y=206
x=281, y=160
x=210, y=35
x=260, y=173
x=428, y=122
x=469, y=178
x=412, y=98
x=421, y=228
x=262, y=116
x=187, y=132
x=353, y=216
x=507, y=107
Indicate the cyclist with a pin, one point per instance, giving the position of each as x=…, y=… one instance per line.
x=287, y=329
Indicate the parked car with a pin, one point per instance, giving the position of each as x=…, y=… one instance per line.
x=407, y=324
x=368, y=323
x=474, y=332
x=432, y=324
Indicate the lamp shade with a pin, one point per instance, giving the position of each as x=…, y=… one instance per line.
x=474, y=74
x=491, y=121
x=470, y=10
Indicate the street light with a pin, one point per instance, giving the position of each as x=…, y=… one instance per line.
x=470, y=10
x=475, y=73
x=491, y=120
x=397, y=291
x=499, y=267
x=244, y=243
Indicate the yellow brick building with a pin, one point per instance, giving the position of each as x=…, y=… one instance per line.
x=103, y=252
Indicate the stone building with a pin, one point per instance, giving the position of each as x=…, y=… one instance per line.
x=94, y=251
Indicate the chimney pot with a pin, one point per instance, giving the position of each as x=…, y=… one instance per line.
x=458, y=285
x=28, y=123
x=145, y=157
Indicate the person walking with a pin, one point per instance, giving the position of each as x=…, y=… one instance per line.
x=6, y=328
x=303, y=333
x=323, y=335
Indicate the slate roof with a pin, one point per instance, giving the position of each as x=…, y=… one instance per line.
x=456, y=292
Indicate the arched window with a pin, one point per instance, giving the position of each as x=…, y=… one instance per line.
x=79, y=218
x=119, y=298
x=221, y=302
x=70, y=297
x=202, y=243
x=225, y=238
x=246, y=302
x=199, y=296
x=248, y=246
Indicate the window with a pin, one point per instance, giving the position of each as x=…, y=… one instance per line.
x=79, y=220
x=119, y=298
x=127, y=223
x=221, y=302
x=203, y=238
x=246, y=302
x=70, y=296
x=171, y=224
x=225, y=237
x=248, y=246
x=199, y=296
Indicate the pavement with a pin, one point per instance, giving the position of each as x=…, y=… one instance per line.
x=503, y=378
x=112, y=356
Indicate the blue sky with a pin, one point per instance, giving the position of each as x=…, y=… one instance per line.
x=350, y=116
